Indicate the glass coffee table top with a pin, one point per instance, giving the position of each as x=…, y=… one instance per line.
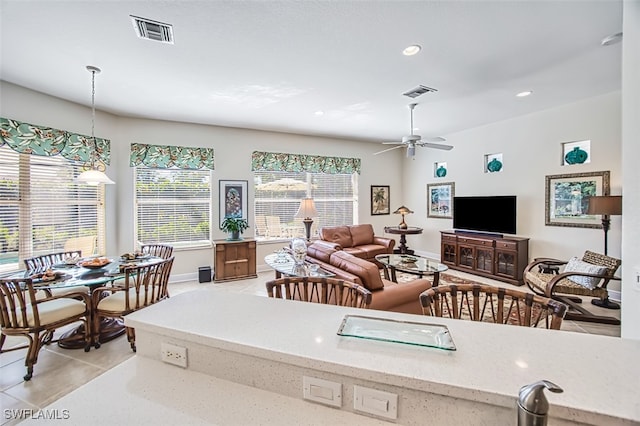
x=283, y=264
x=411, y=264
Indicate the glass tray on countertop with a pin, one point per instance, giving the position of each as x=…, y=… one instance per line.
x=388, y=330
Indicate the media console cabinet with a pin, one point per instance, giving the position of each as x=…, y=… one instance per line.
x=500, y=258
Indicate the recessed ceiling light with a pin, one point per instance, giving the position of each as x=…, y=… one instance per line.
x=612, y=39
x=525, y=93
x=411, y=50
x=319, y=113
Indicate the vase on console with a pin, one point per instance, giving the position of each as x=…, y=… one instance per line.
x=299, y=250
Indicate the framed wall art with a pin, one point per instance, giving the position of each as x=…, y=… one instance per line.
x=440, y=200
x=380, y=200
x=234, y=199
x=567, y=198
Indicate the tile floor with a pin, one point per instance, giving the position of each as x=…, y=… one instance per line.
x=59, y=371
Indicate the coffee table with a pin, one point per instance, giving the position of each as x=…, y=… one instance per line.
x=410, y=264
x=283, y=264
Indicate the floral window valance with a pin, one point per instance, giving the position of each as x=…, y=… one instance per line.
x=167, y=157
x=279, y=162
x=31, y=139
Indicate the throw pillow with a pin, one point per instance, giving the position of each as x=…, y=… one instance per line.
x=577, y=265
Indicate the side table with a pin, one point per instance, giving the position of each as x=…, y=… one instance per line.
x=402, y=248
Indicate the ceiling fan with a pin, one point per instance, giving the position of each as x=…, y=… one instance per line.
x=411, y=141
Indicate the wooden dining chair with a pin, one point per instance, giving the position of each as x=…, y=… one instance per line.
x=38, y=263
x=163, y=251
x=142, y=286
x=330, y=291
x=478, y=302
x=46, y=261
x=36, y=318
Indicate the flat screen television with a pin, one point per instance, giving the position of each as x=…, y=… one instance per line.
x=489, y=214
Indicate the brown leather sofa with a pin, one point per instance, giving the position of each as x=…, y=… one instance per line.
x=386, y=295
x=358, y=240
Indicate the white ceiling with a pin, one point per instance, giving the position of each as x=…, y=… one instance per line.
x=271, y=65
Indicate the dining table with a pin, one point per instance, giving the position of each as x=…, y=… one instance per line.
x=81, y=273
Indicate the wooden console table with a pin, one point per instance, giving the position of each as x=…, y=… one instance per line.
x=500, y=258
x=402, y=248
x=235, y=260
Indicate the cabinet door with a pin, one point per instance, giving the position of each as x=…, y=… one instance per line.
x=448, y=251
x=484, y=259
x=507, y=263
x=466, y=256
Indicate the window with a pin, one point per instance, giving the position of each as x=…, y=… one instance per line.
x=173, y=206
x=41, y=207
x=278, y=195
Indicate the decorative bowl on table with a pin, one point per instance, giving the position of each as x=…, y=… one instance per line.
x=46, y=276
x=96, y=263
x=132, y=257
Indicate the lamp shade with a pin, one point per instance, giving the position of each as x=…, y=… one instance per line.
x=605, y=205
x=403, y=210
x=94, y=177
x=307, y=209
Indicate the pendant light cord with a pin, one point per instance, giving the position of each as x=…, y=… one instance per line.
x=93, y=117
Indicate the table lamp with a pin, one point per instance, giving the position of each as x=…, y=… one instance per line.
x=606, y=205
x=402, y=210
x=307, y=210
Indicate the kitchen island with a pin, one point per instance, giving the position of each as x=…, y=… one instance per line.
x=267, y=346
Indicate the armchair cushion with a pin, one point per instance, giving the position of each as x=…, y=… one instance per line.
x=577, y=265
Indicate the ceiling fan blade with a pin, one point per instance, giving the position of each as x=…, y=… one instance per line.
x=392, y=143
x=437, y=146
x=388, y=149
x=434, y=139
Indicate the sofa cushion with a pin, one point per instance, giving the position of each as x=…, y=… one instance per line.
x=322, y=250
x=367, y=271
x=337, y=234
x=361, y=234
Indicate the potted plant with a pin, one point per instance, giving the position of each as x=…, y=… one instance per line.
x=234, y=225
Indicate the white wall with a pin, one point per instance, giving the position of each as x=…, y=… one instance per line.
x=631, y=183
x=530, y=145
x=531, y=148
x=232, y=147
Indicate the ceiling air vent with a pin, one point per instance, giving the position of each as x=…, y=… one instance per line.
x=420, y=90
x=153, y=30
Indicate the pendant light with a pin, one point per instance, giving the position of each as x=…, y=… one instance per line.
x=94, y=173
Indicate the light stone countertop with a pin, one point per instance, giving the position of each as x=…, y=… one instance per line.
x=599, y=374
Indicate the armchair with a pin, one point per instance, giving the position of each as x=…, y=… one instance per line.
x=36, y=318
x=586, y=277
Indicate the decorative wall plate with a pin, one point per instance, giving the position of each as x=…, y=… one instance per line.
x=441, y=172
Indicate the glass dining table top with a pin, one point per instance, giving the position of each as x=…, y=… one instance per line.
x=76, y=275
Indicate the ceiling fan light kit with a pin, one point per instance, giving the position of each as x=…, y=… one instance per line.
x=411, y=140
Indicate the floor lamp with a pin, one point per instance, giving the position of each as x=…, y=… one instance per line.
x=606, y=205
x=307, y=210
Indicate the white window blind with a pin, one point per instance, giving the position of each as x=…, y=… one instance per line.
x=41, y=207
x=278, y=195
x=173, y=206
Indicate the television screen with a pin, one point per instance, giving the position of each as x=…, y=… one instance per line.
x=493, y=214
